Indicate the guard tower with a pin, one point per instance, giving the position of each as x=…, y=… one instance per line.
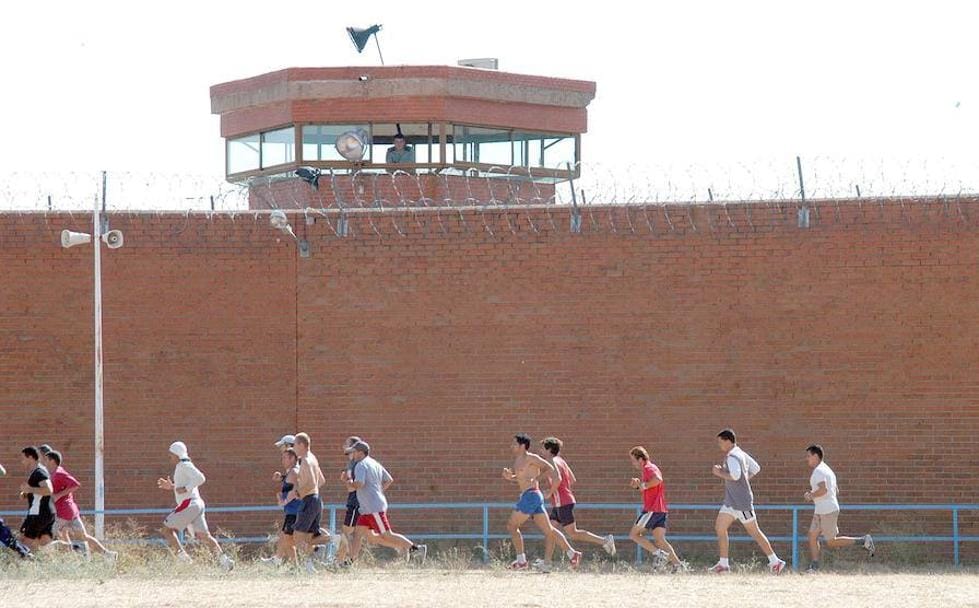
x=473, y=135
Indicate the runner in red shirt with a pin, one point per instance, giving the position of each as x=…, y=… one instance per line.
x=563, y=501
x=654, y=509
x=68, y=524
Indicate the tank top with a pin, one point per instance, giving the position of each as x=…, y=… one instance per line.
x=563, y=496
x=291, y=507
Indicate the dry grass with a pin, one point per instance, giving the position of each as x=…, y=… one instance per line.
x=148, y=579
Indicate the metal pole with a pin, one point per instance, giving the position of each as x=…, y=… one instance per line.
x=99, y=440
x=486, y=549
x=795, y=538
x=802, y=186
x=377, y=42
x=955, y=536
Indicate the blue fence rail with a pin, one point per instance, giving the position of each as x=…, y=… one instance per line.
x=485, y=536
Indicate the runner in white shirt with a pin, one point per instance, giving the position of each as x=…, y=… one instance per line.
x=825, y=519
x=189, y=512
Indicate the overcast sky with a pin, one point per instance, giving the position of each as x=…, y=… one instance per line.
x=124, y=86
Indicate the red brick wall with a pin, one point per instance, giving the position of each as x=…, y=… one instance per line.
x=650, y=327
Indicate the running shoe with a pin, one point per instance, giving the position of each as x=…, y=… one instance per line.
x=719, y=569
x=575, y=560
x=227, y=564
x=515, y=565
x=868, y=544
x=778, y=567
x=609, y=544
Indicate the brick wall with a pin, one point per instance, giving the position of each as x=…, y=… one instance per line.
x=652, y=326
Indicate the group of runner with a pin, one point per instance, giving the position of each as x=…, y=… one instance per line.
x=53, y=518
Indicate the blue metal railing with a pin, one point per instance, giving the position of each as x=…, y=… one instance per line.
x=484, y=536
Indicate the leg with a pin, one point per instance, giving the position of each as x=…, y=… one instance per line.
x=659, y=538
x=571, y=531
x=814, y=549
x=513, y=526
x=842, y=541
x=8, y=540
x=755, y=532
x=170, y=535
x=205, y=537
x=721, y=525
x=637, y=535
x=545, y=526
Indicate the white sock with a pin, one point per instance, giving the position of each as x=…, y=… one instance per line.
x=570, y=553
x=723, y=561
x=772, y=559
x=521, y=558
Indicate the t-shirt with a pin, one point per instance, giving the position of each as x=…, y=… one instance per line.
x=827, y=503
x=39, y=505
x=371, y=494
x=734, y=463
x=188, y=477
x=65, y=506
x=653, y=499
x=563, y=496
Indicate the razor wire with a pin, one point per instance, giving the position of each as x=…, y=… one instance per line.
x=620, y=199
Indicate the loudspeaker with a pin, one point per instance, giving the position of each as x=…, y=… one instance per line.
x=70, y=239
x=113, y=239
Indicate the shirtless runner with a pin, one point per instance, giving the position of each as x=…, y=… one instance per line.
x=527, y=468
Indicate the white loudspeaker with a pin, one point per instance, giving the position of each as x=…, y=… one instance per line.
x=70, y=239
x=113, y=239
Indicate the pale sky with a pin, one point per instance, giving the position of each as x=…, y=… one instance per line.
x=123, y=86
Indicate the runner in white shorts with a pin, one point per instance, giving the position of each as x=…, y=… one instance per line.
x=737, y=470
x=189, y=512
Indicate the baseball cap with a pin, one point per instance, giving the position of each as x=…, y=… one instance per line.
x=351, y=442
x=178, y=449
x=361, y=446
x=286, y=440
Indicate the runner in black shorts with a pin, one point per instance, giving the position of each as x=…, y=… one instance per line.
x=37, y=526
x=353, y=506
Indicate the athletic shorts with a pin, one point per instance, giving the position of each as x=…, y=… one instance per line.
x=351, y=515
x=563, y=515
x=377, y=522
x=310, y=512
x=826, y=524
x=650, y=520
x=745, y=517
x=71, y=525
x=289, y=524
x=531, y=502
x=188, y=514
x=36, y=526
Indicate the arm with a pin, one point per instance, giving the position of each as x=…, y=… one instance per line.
x=509, y=475
x=68, y=490
x=822, y=490
x=45, y=488
x=733, y=472
x=555, y=478
x=386, y=480
x=753, y=467
x=571, y=478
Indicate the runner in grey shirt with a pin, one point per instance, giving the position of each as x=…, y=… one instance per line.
x=371, y=480
x=738, y=469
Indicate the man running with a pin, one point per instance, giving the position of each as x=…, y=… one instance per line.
x=308, y=482
x=826, y=512
x=37, y=526
x=7, y=537
x=737, y=470
x=189, y=512
x=346, y=556
x=68, y=524
x=654, y=510
x=371, y=479
x=527, y=467
x=563, y=501
x=285, y=548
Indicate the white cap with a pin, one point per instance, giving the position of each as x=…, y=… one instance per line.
x=178, y=449
x=286, y=440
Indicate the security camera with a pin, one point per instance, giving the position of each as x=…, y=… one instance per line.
x=363, y=78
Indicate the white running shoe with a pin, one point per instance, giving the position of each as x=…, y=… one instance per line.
x=275, y=560
x=660, y=559
x=182, y=556
x=418, y=554
x=310, y=568
x=542, y=566
x=227, y=564
x=719, y=569
x=868, y=544
x=111, y=556
x=609, y=544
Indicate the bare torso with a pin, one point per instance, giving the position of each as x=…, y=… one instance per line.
x=526, y=471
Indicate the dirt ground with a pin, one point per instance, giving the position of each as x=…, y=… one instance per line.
x=253, y=585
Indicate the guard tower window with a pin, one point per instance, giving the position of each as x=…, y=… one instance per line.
x=319, y=141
